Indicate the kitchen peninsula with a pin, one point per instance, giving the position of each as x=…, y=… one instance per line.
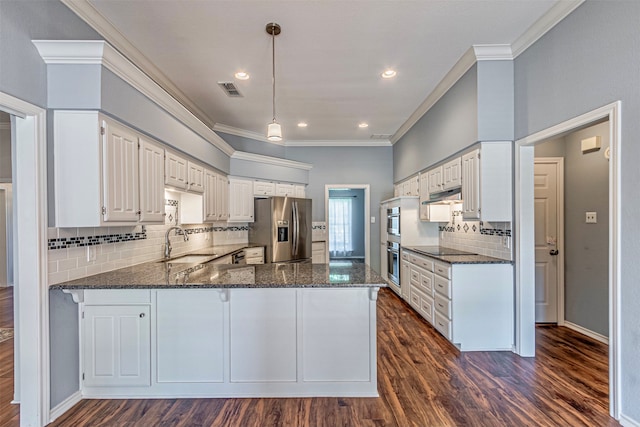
x=162, y=329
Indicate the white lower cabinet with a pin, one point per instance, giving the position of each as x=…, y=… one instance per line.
x=405, y=276
x=189, y=336
x=254, y=255
x=268, y=352
x=469, y=304
x=117, y=345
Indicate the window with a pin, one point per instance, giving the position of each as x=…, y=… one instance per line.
x=340, y=228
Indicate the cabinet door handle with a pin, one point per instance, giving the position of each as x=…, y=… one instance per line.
x=141, y=315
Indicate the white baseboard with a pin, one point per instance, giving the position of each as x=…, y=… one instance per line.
x=584, y=331
x=64, y=406
x=628, y=422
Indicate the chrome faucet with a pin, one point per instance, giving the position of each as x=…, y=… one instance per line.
x=167, y=242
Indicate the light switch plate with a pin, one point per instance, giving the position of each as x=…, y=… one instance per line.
x=591, y=217
x=373, y=220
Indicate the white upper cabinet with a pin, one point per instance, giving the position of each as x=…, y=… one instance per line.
x=120, y=168
x=452, y=174
x=436, y=180
x=414, y=186
x=195, y=175
x=486, y=182
x=222, y=198
x=240, y=200
x=210, y=189
x=300, y=191
x=151, y=158
x=100, y=178
x=175, y=171
x=285, y=190
x=264, y=188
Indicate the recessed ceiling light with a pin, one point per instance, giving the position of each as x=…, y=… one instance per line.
x=241, y=75
x=302, y=125
x=363, y=125
x=388, y=74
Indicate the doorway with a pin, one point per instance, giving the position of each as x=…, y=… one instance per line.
x=525, y=236
x=347, y=214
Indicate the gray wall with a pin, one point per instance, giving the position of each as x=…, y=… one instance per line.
x=22, y=71
x=249, y=145
x=349, y=165
x=63, y=336
x=586, y=181
x=357, y=217
x=448, y=127
x=588, y=60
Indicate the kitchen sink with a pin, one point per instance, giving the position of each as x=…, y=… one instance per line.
x=191, y=259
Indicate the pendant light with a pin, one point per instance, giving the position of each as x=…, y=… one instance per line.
x=274, y=130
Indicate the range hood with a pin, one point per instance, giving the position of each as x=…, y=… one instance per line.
x=447, y=197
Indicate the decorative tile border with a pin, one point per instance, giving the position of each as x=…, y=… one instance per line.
x=72, y=242
x=169, y=202
x=485, y=231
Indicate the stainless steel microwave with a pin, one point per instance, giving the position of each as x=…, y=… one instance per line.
x=393, y=221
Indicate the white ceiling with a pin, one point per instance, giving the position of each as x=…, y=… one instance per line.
x=328, y=58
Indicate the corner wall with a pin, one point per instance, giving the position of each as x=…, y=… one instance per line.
x=589, y=60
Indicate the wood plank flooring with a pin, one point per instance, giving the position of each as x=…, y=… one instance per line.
x=423, y=381
x=8, y=413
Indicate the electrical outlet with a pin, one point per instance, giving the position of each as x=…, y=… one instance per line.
x=91, y=253
x=506, y=242
x=591, y=217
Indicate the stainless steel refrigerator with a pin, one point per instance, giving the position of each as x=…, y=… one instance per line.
x=283, y=226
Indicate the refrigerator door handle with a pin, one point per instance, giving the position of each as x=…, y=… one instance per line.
x=296, y=224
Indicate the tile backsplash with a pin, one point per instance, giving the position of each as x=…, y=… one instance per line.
x=490, y=239
x=118, y=247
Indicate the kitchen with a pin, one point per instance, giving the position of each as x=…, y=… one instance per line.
x=326, y=161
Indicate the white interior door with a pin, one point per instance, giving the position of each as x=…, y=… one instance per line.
x=547, y=216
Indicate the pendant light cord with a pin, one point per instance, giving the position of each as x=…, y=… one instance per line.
x=273, y=71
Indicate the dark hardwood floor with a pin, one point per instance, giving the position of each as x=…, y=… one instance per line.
x=423, y=381
x=8, y=413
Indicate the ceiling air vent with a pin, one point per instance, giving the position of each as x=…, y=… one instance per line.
x=380, y=136
x=230, y=89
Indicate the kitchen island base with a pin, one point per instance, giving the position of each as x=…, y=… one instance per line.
x=238, y=342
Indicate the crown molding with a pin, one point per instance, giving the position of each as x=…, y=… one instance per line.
x=102, y=53
x=492, y=52
x=89, y=14
x=557, y=13
x=219, y=127
x=259, y=158
x=340, y=143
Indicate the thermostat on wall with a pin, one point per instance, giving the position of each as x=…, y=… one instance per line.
x=590, y=144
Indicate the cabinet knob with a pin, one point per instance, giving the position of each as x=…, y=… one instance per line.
x=141, y=315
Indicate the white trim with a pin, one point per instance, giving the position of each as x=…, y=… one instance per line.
x=340, y=143
x=367, y=216
x=64, y=406
x=628, y=422
x=493, y=52
x=30, y=260
x=557, y=13
x=219, y=127
x=584, y=331
x=559, y=163
x=524, y=240
x=268, y=160
x=101, y=52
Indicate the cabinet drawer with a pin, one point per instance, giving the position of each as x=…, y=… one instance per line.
x=255, y=260
x=442, y=285
x=426, y=308
x=442, y=324
x=414, y=299
x=426, y=283
x=405, y=256
x=117, y=296
x=415, y=276
x=442, y=305
x=422, y=262
x=443, y=270
x=253, y=252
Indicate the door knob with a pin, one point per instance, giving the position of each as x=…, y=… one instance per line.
x=553, y=252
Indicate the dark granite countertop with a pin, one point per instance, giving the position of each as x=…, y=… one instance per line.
x=459, y=257
x=208, y=275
